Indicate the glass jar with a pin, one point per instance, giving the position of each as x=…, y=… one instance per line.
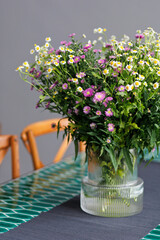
x=110, y=193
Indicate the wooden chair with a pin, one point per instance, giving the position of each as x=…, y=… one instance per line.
x=40, y=128
x=7, y=141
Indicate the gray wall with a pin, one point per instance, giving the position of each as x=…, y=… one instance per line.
x=23, y=23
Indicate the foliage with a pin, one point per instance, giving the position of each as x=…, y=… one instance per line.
x=110, y=95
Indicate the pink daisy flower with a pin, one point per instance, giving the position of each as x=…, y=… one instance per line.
x=86, y=109
x=110, y=127
x=108, y=112
x=65, y=86
x=88, y=92
x=121, y=88
x=99, y=96
x=98, y=113
x=76, y=59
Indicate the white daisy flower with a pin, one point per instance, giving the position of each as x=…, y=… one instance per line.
x=141, y=77
x=158, y=73
x=32, y=51
x=156, y=85
x=105, y=71
x=155, y=61
x=56, y=63
x=71, y=60
x=39, y=62
x=26, y=64
x=19, y=68
x=75, y=80
x=37, y=48
x=129, y=67
x=130, y=59
x=137, y=83
x=134, y=51
x=141, y=62
x=69, y=50
x=46, y=44
x=49, y=70
x=63, y=62
x=59, y=56
x=100, y=30
x=80, y=89
x=47, y=39
x=62, y=49
x=128, y=87
x=71, y=56
x=134, y=73
x=145, y=84
x=121, y=47
x=130, y=44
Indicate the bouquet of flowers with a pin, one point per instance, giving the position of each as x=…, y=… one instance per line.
x=110, y=94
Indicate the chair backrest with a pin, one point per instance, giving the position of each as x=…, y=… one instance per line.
x=33, y=130
x=6, y=142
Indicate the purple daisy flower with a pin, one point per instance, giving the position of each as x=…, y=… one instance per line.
x=51, y=50
x=98, y=113
x=141, y=36
x=65, y=86
x=88, y=92
x=86, y=109
x=68, y=44
x=32, y=70
x=71, y=35
x=58, y=52
x=83, y=56
x=38, y=74
x=99, y=96
x=121, y=88
x=109, y=99
x=76, y=59
x=47, y=105
x=108, y=112
x=112, y=57
x=63, y=42
x=110, y=127
x=101, y=61
x=82, y=81
x=87, y=46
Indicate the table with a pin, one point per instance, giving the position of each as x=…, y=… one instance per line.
x=44, y=206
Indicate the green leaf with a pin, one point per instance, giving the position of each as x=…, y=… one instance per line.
x=96, y=75
x=121, y=82
x=42, y=98
x=113, y=159
x=122, y=94
x=128, y=159
x=76, y=148
x=106, y=90
x=153, y=137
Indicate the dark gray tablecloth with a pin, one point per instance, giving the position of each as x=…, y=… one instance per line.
x=69, y=222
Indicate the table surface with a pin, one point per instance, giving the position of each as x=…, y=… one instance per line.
x=44, y=194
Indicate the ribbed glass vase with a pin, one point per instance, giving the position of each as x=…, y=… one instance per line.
x=107, y=193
